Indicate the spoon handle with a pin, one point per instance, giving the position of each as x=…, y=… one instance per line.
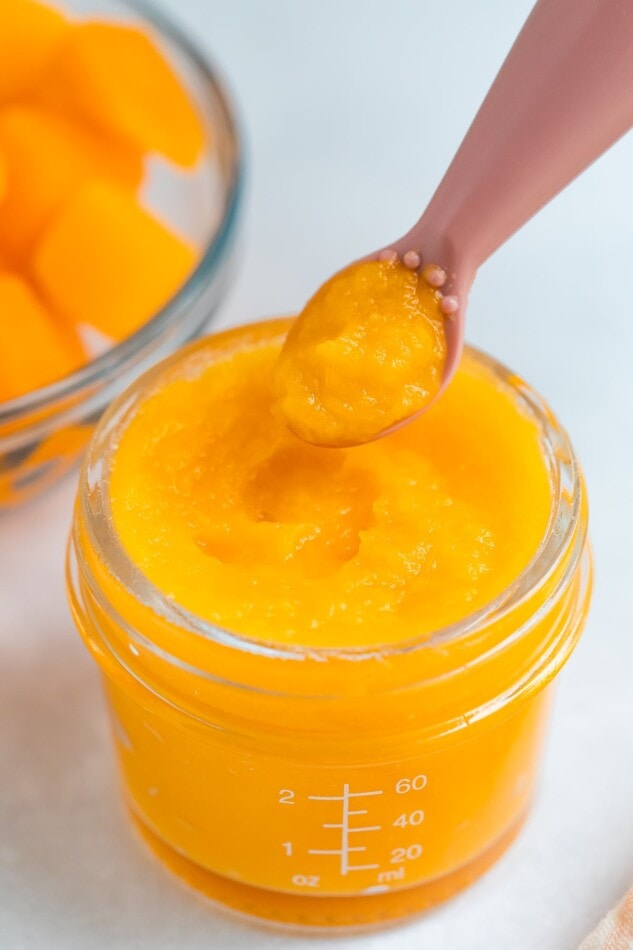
x=562, y=97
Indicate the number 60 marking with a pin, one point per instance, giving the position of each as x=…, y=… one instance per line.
x=415, y=784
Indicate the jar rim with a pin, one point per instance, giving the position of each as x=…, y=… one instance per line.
x=562, y=529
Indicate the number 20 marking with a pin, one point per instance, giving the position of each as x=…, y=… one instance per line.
x=398, y=855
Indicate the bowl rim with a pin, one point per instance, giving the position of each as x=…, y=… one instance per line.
x=112, y=360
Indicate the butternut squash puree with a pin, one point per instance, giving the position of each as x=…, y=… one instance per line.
x=367, y=351
x=247, y=526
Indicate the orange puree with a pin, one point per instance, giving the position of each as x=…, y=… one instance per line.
x=297, y=737
x=269, y=536
x=367, y=351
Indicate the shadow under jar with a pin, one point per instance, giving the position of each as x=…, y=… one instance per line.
x=328, y=787
x=43, y=432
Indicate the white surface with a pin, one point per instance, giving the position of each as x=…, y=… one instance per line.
x=342, y=158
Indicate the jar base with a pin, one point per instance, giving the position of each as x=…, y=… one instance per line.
x=296, y=912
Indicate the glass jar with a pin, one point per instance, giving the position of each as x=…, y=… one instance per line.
x=328, y=787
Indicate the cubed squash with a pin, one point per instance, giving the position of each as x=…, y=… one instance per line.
x=35, y=349
x=30, y=35
x=46, y=156
x=116, y=78
x=106, y=262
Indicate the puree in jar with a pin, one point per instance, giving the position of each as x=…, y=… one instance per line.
x=247, y=526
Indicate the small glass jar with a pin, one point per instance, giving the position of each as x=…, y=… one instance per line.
x=328, y=787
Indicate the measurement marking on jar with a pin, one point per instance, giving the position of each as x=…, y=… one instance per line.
x=366, y=828
x=346, y=849
x=333, y=850
x=341, y=798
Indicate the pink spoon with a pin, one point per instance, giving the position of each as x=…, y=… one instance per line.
x=562, y=97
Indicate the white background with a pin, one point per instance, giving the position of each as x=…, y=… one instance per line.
x=335, y=96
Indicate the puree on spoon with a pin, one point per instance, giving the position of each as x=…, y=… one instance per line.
x=367, y=351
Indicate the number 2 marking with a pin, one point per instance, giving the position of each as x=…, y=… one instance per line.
x=286, y=796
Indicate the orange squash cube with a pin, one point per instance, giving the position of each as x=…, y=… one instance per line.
x=115, y=78
x=30, y=35
x=106, y=262
x=34, y=349
x=46, y=157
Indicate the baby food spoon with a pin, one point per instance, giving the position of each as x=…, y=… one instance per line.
x=562, y=97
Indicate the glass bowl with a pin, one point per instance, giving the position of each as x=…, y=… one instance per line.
x=43, y=432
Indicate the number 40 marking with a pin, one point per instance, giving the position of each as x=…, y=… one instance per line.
x=414, y=818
